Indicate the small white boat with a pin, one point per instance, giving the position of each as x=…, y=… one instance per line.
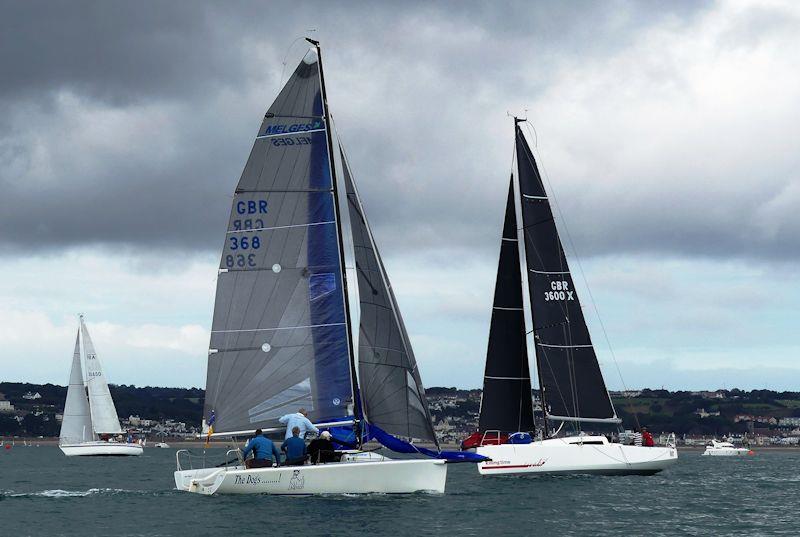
x=90, y=417
x=101, y=448
x=575, y=455
x=726, y=449
x=162, y=445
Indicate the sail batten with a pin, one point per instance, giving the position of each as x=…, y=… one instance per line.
x=569, y=373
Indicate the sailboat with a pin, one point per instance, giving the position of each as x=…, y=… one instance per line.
x=571, y=386
x=305, y=316
x=90, y=420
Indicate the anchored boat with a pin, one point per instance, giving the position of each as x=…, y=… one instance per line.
x=90, y=422
x=572, y=389
x=726, y=449
x=299, y=274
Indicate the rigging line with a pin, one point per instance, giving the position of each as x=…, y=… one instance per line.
x=583, y=276
x=283, y=62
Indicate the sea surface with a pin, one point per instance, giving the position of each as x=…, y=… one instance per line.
x=44, y=493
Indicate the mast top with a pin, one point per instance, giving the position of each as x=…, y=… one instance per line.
x=313, y=41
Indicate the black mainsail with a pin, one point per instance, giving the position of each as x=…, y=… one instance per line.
x=569, y=375
x=506, y=404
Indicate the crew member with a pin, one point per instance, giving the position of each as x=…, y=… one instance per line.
x=298, y=419
x=647, y=438
x=295, y=449
x=263, y=450
x=321, y=449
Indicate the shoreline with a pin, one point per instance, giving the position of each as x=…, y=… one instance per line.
x=200, y=444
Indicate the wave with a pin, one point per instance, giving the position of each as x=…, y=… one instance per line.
x=60, y=493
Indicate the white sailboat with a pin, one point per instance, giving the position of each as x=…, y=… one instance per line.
x=572, y=389
x=90, y=421
x=305, y=316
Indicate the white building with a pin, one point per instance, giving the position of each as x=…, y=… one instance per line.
x=6, y=406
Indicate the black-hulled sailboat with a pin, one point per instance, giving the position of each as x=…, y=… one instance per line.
x=305, y=316
x=571, y=385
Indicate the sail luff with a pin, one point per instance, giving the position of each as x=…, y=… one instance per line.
x=357, y=408
x=76, y=424
x=101, y=405
x=569, y=372
x=506, y=402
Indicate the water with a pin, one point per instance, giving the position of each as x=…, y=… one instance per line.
x=44, y=493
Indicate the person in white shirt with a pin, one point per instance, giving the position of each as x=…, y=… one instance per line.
x=300, y=420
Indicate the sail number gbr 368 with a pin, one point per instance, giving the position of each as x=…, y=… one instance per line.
x=559, y=290
x=248, y=216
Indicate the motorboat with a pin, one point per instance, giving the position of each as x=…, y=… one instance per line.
x=726, y=449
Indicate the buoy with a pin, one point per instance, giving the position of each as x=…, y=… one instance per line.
x=751, y=452
x=8, y=446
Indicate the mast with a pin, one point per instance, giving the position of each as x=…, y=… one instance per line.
x=348, y=322
x=521, y=238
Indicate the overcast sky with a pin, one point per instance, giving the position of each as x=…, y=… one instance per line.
x=670, y=133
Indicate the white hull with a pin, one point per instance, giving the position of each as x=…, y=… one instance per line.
x=101, y=449
x=386, y=477
x=735, y=452
x=575, y=455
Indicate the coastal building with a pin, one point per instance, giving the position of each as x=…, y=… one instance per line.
x=6, y=406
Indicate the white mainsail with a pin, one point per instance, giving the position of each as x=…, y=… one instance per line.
x=76, y=426
x=103, y=412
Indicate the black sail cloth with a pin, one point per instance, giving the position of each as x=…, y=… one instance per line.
x=570, y=375
x=506, y=404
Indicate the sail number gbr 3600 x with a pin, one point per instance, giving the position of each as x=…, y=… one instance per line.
x=241, y=245
x=559, y=290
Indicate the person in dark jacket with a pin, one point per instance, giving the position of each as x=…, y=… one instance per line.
x=295, y=449
x=263, y=451
x=321, y=449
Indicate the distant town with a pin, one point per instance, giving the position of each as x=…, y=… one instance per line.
x=758, y=417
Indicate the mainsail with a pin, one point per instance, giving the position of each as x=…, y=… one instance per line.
x=76, y=425
x=103, y=412
x=506, y=404
x=279, y=337
x=571, y=381
x=391, y=387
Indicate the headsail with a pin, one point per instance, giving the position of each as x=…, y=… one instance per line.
x=506, y=404
x=391, y=387
x=76, y=426
x=279, y=335
x=569, y=373
x=104, y=414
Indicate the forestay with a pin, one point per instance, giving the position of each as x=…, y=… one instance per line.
x=76, y=425
x=506, y=403
x=101, y=406
x=279, y=336
x=570, y=376
x=390, y=384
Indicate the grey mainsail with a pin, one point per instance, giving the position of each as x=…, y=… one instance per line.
x=506, y=402
x=76, y=425
x=279, y=337
x=391, y=387
x=101, y=406
x=572, y=384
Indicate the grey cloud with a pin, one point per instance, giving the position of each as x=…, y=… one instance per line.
x=419, y=93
